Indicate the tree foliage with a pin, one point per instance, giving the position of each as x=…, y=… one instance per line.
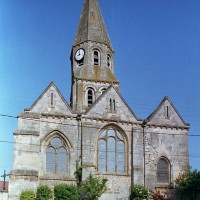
x=27, y=195
x=92, y=188
x=43, y=193
x=139, y=192
x=65, y=192
x=189, y=185
x=78, y=175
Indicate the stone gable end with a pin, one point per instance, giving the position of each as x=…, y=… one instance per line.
x=166, y=115
x=105, y=108
x=51, y=102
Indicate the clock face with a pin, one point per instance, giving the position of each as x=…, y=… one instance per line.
x=79, y=54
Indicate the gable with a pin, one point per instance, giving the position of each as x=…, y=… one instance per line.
x=111, y=105
x=166, y=115
x=51, y=101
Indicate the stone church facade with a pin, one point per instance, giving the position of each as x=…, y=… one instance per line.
x=98, y=129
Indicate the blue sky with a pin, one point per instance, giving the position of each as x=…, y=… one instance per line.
x=156, y=43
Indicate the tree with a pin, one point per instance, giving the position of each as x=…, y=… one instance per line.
x=139, y=192
x=65, y=192
x=92, y=188
x=43, y=193
x=189, y=185
x=27, y=195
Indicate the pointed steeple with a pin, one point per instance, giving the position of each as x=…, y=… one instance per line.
x=92, y=59
x=92, y=26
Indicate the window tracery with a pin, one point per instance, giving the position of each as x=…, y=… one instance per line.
x=111, y=151
x=56, y=156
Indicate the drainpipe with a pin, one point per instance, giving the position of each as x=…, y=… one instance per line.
x=79, y=139
x=144, y=150
x=132, y=168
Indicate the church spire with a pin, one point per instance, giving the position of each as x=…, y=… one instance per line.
x=91, y=26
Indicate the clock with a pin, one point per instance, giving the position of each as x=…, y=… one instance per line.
x=79, y=54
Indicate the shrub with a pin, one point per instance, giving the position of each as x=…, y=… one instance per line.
x=27, y=195
x=65, y=192
x=189, y=185
x=92, y=188
x=78, y=175
x=139, y=192
x=43, y=193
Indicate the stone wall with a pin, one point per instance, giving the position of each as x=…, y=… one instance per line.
x=3, y=195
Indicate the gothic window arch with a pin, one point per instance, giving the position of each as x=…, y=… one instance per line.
x=96, y=57
x=163, y=171
x=111, y=151
x=90, y=96
x=57, y=156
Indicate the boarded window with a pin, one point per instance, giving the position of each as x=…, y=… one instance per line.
x=163, y=171
x=111, y=152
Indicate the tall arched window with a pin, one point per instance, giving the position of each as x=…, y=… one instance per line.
x=111, y=151
x=112, y=105
x=90, y=96
x=96, y=57
x=163, y=170
x=56, y=156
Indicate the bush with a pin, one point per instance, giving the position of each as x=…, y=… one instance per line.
x=65, y=192
x=139, y=192
x=189, y=185
x=43, y=193
x=92, y=188
x=27, y=195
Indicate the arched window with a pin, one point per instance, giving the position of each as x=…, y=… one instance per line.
x=111, y=151
x=163, y=170
x=108, y=61
x=96, y=57
x=112, y=105
x=56, y=156
x=90, y=96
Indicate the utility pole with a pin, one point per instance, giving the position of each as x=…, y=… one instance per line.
x=4, y=179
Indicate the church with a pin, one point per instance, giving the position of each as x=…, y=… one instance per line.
x=97, y=129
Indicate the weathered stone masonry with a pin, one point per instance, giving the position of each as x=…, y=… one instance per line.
x=98, y=129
